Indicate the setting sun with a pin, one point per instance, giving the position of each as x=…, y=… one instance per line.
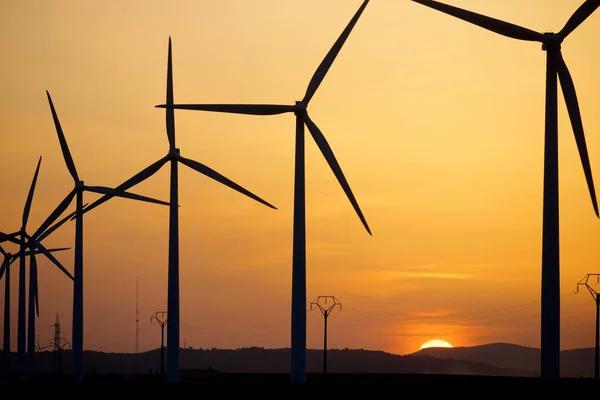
x=435, y=343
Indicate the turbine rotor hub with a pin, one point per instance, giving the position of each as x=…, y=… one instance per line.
x=300, y=108
x=173, y=154
x=551, y=42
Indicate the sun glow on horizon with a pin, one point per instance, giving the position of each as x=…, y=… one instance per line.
x=435, y=343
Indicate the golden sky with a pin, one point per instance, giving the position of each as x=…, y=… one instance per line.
x=437, y=124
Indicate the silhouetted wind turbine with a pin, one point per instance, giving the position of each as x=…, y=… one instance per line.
x=34, y=306
x=175, y=157
x=77, y=192
x=551, y=43
x=21, y=333
x=23, y=244
x=298, y=368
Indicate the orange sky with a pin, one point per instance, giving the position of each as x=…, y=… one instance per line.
x=437, y=124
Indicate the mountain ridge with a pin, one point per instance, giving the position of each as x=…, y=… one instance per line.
x=492, y=359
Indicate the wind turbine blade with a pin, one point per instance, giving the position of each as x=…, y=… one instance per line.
x=568, y=89
x=10, y=237
x=3, y=267
x=53, y=259
x=321, y=71
x=137, y=178
x=118, y=193
x=57, y=225
x=55, y=214
x=491, y=24
x=2, y=251
x=170, y=114
x=30, y=194
x=335, y=167
x=56, y=249
x=203, y=169
x=34, y=277
x=63, y=142
x=247, y=109
x=582, y=13
x=37, y=251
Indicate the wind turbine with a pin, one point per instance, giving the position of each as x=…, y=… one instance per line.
x=174, y=157
x=35, y=246
x=77, y=193
x=23, y=245
x=551, y=43
x=21, y=334
x=298, y=367
x=34, y=306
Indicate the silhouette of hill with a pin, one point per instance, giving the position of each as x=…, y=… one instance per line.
x=260, y=360
x=574, y=363
x=495, y=359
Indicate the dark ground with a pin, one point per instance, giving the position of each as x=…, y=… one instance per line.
x=465, y=384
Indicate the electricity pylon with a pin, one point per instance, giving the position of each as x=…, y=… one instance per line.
x=584, y=282
x=325, y=311
x=158, y=317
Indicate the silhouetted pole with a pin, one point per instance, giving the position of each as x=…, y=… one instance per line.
x=158, y=317
x=298, y=340
x=550, y=335
x=596, y=296
x=325, y=311
x=6, y=341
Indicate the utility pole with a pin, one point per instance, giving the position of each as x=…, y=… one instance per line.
x=585, y=282
x=158, y=316
x=325, y=311
x=137, y=325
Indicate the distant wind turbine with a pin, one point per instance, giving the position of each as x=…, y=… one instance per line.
x=77, y=192
x=34, y=305
x=298, y=367
x=175, y=157
x=23, y=245
x=551, y=43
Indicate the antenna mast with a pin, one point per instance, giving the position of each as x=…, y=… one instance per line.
x=58, y=344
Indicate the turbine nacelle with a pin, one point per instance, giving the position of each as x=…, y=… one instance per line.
x=552, y=41
x=173, y=154
x=300, y=108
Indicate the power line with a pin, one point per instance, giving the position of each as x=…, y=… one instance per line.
x=498, y=311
